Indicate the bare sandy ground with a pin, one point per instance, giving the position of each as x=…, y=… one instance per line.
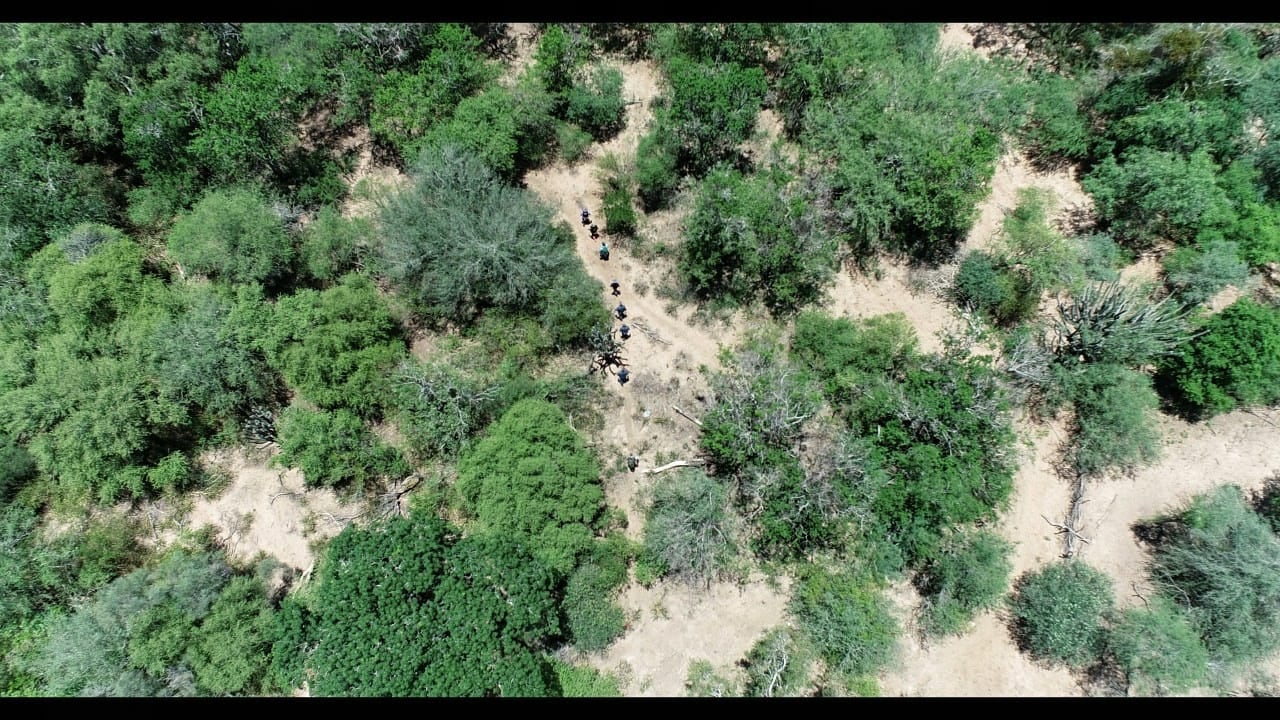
x=268, y=510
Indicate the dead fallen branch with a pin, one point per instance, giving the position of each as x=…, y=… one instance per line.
x=273, y=497
x=689, y=417
x=676, y=464
x=1070, y=532
x=649, y=332
x=1260, y=418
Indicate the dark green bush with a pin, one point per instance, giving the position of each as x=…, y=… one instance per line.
x=335, y=448
x=1235, y=362
x=593, y=619
x=968, y=574
x=596, y=104
x=657, y=177
x=1060, y=612
x=1115, y=417
x=532, y=479
x=233, y=235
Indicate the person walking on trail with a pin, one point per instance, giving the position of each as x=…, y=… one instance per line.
x=586, y=217
x=604, y=251
x=633, y=462
x=623, y=376
x=614, y=284
x=595, y=232
x=620, y=311
x=625, y=331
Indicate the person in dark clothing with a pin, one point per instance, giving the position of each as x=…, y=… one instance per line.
x=623, y=376
x=625, y=331
x=604, y=251
x=633, y=462
x=595, y=231
x=621, y=311
x=586, y=217
x=616, y=291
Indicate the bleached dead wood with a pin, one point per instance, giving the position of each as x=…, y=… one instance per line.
x=676, y=464
x=691, y=418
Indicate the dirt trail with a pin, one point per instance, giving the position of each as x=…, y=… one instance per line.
x=672, y=624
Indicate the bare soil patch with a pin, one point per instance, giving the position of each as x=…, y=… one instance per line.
x=267, y=510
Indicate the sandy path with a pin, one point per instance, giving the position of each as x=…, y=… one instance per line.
x=267, y=510
x=672, y=624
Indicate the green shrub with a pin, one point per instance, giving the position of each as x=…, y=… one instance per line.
x=1115, y=417
x=704, y=680
x=985, y=283
x=968, y=574
x=841, y=350
x=17, y=467
x=747, y=238
x=758, y=399
x=581, y=681
x=460, y=241
x=593, y=619
x=849, y=621
x=333, y=245
x=1056, y=128
x=689, y=527
x=778, y=665
x=532, y=479
x=1060, y=611
x=336, y=346
x=1194, y=275
x=1101, y=257
x=233, y=235
x=712, y=109
x=335, y=448
x=942, y=431
x=573, y=308
x=573, y=141
x=657, y=155
x=618, y=204
x=1258, y=232
x=1152, y=194
x=1221, y=564
x=1235, y=362
x=1159, y=649
x=1266, y=501
x=491, y=613
x=439, y=407
x=229, y=651
x=597, y=105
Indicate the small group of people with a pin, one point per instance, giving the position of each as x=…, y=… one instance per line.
x=595, y=233
x=621, y=311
